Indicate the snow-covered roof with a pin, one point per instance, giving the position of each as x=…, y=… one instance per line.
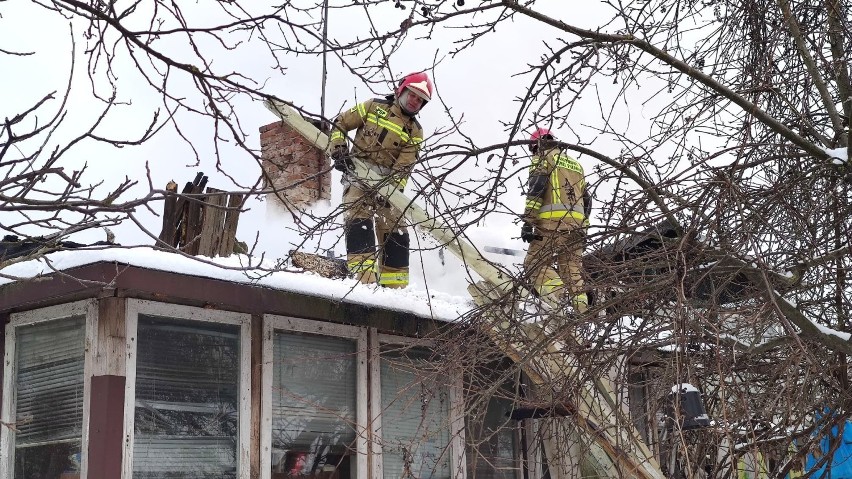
x=245, y=270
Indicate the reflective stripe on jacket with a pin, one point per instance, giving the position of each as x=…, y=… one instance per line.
x=555, y=191
x=385, y=136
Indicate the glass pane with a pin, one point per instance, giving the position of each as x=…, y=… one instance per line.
x=313, y=407
x=187, y=407
x=492, y=441
x=49, y=399
x=415, y=416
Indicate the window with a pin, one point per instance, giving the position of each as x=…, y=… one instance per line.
x=415, y=431
x=313, y=406
x=49, y=400
x=492, y=443
x=314, y=416
x=187, y=401
x=314, y=423
x=45, y=392
x=189, y=398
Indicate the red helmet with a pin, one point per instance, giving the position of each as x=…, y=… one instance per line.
x=540, y=133
x=417, y=83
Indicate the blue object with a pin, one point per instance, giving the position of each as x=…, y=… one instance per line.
x=841, y=463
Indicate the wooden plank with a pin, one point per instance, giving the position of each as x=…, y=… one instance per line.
x=211, y=222
x=111, y=341
x=375, y=406
x=181, y=210
x=232, y=218
x=192, y=219
x=167, y=234
x=256, y=394
x=218, y=224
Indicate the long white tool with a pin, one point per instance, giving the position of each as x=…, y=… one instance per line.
x=543, y=358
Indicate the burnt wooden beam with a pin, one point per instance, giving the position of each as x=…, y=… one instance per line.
x=212, y=222
x=192, y=219
x=168, y=233
x=181, y=207
x=232, y=217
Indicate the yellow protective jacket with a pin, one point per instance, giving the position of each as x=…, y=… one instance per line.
x=386, y=137
x=557, y=198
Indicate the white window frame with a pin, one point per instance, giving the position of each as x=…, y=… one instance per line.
x=135, y=307
x=87, y=308
x=458, y=459
x=272, y=323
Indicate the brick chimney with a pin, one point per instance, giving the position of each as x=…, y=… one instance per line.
x=293, y=166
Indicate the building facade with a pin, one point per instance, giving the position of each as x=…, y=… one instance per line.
x=119, y=371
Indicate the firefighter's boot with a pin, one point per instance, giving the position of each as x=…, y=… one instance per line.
x=394, y=267
x=550, y=286
x=361, y=250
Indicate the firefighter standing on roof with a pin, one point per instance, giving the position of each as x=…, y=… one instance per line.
x=387, y=139
x=555, y=221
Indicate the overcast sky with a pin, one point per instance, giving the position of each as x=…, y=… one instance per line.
x=477, y=84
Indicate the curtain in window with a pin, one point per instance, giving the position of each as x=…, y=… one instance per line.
x=415, y=416
x=187, y=399
x=49, y=399
x=313, y=405
x=492, y=441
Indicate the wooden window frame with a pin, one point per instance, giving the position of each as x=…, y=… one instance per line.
x=458, y=458
x=87, y=308
x=135, y=307
x=273, y=323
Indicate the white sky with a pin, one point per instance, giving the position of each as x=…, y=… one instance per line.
x=478, y=84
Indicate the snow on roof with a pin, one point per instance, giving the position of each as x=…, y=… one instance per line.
x=245, y=270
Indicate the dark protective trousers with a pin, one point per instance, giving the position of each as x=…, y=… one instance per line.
x=366, y=219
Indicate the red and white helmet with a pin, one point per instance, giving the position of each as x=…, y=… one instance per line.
x=418, y=83
x=539, y=134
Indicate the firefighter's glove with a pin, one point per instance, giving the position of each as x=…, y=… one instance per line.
x=341, y=160
x=528, y=234
x=381, y=202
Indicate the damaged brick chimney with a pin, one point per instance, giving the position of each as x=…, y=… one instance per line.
x=293, y=167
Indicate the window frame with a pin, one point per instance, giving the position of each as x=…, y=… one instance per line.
x=136, y=307
x=521, y=454
x=273, y=323
x=87, y=308
x=458, y=454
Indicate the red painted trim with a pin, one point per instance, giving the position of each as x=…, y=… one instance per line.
x=106, y=427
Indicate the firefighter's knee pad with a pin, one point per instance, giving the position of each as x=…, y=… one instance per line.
x=395, y=251
x=360, y=236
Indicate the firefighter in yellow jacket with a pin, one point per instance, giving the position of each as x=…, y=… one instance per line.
x=555, y=221
x=387, y=139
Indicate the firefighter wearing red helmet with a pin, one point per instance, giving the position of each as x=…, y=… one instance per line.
x=555, y=221
x=387, y=138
